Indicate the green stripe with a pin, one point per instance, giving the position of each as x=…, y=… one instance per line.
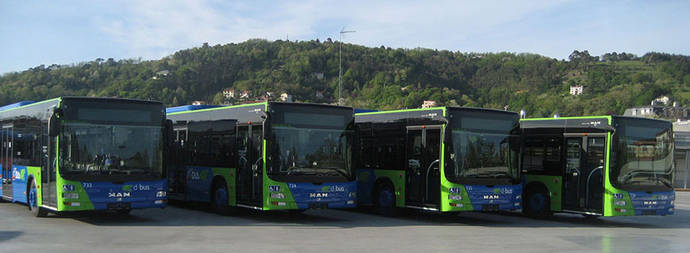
x=577, y=117
x=404, y=110
x=219, y=108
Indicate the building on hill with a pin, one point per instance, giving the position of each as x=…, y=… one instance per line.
x=246, y=94
x=663, y=112
x=229, y=93
x=576, y=90
x=429, y=104
x=663, y=100
x=199, y=102
x=285, y=97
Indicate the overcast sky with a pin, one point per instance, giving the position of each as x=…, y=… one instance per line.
x=62, y=32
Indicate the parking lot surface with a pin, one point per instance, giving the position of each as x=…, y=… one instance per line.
x=187, y=229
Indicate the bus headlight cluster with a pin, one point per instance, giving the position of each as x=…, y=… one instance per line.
x=278, y=195
x=672, y=202
x=619, y=203
x=352, y=195
x=161, y=194
x=70, y=195
x=455, y=197
x=518, y=197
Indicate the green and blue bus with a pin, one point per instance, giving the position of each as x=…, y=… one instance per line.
x=82, y=153
x=439, y=159
x=597, y=166
x=264, y=156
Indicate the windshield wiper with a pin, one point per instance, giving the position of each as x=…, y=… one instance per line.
x=337, y=170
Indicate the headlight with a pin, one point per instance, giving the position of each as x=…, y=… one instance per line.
x=455, y=197
x=70, y=195
x=278, y=195
x=161, y=194
x=672, y=202
x=352, y=195
x=518, y=197
x=619, y=203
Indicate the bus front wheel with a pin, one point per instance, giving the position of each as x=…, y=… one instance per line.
x=385, y=199
x=537, y=204
x=219, y=198
x=32, y=197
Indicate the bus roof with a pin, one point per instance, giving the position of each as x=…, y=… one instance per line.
x=15, y=105
x=360, y=110
x=183, y=108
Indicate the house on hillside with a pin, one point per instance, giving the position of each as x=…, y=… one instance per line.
x=429, y=104
x=160, y=74
x=245, y=94
x=576, y=90
x=660, y=101
x=199, y=102
x=318, y=75
x=229, y=93
x=285, y=97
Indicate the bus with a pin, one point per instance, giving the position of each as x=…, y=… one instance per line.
x=264, y=156
x=443, y=159
x=597, y=166
x=83, y=153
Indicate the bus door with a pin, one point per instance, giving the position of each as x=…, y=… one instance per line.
x=583, y=179
x=422, y=172
x=177, y=171
x=250, y=164
x=6, y=160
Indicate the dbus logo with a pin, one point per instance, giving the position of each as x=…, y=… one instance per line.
x=334, y=188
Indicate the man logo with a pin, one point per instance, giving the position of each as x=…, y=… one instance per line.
x=119, y=194
x=491, y=196
x=318, y=195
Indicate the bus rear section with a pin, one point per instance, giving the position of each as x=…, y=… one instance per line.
x=265, y=156
x=439, y=159
x=80, y=154
x=598, y=166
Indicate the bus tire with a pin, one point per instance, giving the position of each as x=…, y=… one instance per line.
x=32, y=200
x=384, y=199
x=123, y=212
x=219, y=198
x=537, y=204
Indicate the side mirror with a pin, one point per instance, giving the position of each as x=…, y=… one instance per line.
x=267, y=124
x=53, y=125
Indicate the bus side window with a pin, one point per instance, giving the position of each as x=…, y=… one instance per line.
x=533, y=155
x=552, y=159
x=542, y=155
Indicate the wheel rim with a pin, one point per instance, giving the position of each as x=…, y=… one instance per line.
x=221, y=198
x=32, y=197
x=386, y=198
x=537, y=202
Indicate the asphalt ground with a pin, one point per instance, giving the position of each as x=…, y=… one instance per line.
x=192, y=229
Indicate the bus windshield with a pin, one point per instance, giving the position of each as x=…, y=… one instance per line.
x=111, y=140
x=311, y=146
x=97, y=150
x=643, y=155
x=484, y=147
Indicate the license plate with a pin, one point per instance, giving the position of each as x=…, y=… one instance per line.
x=119, y=206
x=490, y=207
x=318, y=205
